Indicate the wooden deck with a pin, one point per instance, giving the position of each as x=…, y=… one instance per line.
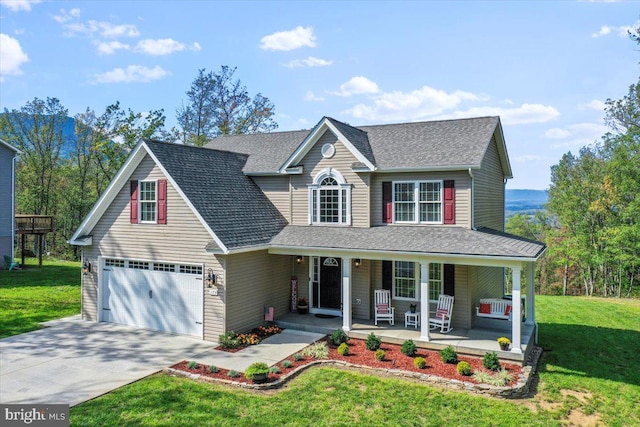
x=474, y=342
x=37, y=225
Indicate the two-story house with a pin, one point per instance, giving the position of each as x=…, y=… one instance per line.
x=200, y=241
x=8, y=158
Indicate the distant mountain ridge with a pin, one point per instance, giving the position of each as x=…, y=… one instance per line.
x=524, y=201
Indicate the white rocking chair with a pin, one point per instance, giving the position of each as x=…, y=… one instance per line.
x=442, y=318
x=382, y=308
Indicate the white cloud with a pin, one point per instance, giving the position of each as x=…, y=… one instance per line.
x=310, y=96
x=109, y=48
x=133, y=73
x=11, y=56
x=357, y=86
x=19, y=5
x=576, y=135
x=622, y=31
x=196, y=47
x=595, y=104
x=159, y=47
x=522, y=115
x=289, y=40
x=65, y=16
x=527, y=158
x=557, y=133
x=308, y=62
x=72, y=26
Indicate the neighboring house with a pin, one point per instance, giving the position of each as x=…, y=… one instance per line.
x=8, y=158
x=416, y=208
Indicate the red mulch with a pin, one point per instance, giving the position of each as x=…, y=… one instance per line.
x=359, y=355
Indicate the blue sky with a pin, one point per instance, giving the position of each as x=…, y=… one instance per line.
x=545, y=67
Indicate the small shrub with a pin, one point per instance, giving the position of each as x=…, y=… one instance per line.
x=409, y=348
x=213, y=369
x=193, y=365
x=287, y=364
x=464, y=368
x=380, y=354
x=229, y=340
x=491, y=361
x=257, y=368
x=274, y=370
x=373, y=342
x=298, y=357
x=343, y=349
x=499, y=379
x=420, y=362
x=317, y=350
x=339, y=337
x=449, y=355
x=233, y=373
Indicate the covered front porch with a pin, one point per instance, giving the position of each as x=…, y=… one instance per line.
x=474, y=341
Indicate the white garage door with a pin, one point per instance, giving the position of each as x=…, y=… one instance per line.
x=153, y=295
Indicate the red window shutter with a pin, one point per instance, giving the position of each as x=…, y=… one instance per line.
x=134, y=202
x=162, y=201
x=387, y=203
x=449, y=202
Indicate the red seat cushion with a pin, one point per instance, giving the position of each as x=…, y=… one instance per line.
x=382, y=308
x=441, y=313
x=507, y=311
x=485, y=308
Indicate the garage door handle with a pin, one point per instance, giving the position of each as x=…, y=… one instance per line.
x=150, y=294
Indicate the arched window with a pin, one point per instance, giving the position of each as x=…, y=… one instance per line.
x=329, y=199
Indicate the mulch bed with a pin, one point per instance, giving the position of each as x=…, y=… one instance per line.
x=359, y=355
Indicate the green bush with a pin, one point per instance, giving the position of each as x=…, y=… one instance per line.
x=287, y=364
x=257, y=368
x=229, y=340
x=339, y=337
x=233, y=374
x=464, y=368
x=193, y=365
x=213, y=369
x=373, y=342
x=449, y=355
x=274, y=370
x=380, y=354
x=298, y=357
x=499, y=379
x=420, y=362
x=343, y=349
x=317, y=350
x=491, y=361
x=409, y=348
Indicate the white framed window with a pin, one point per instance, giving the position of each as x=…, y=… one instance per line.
x=417, y=202
x=148, y=201
x=406, y=281
x=436, y=282
x=329, y=199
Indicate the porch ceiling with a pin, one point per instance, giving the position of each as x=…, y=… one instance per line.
x=483, y=246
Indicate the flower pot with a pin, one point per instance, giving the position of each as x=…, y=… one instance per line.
x=412, y=308
x=259, y=378
x=504, y=347
x=303, y=309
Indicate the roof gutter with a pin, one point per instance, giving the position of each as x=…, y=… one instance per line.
x=429, y=168
x=14, y=161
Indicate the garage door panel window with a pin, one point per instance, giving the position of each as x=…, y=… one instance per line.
x=139, y=265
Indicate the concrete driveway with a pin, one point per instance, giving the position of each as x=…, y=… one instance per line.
x=72, y=361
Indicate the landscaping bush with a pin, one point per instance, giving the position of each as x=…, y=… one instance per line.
x=499, y=379
x=257, y=368
x=491, y=361
x=317, y=350
x=373, y=342
x=298, y=357
x=464, y=368
x=380, y=354
x=409, y=348
x=213, y=369
x=339, y=337
x=193, y=365
x=233, y=374
x=343, y=349
x=286, y=364
x=420, y=362
x=229, y=340
x=449, y=355
x=274, y=370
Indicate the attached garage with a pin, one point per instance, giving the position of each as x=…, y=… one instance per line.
x=161, y=296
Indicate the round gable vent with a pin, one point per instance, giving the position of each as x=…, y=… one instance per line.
x=328, y=150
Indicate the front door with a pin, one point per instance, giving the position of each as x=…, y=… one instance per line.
x=326, y=288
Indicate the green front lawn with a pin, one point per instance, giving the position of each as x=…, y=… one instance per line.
x=34, y=295
x=589, y=374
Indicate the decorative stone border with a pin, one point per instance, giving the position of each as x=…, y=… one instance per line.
x=519, y=390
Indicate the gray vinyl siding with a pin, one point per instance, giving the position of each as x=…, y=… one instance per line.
x=361, y=289
x=5, y=249
x=6, y=193
x=256, y=280
x=489, y=191
x=488, y=283
x=313, y=163
x=463, y=192
x=182, y=239
x=276, y=188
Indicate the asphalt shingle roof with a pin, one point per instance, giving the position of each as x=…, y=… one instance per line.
x=231, y=204
x=417, y=239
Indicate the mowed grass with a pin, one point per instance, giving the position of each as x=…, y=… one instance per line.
x=589, y=375
x=34, y=295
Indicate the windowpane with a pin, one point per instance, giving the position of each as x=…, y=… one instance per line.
x=148, y=201
x=435, y=281
x=329, y=205
x=404, y=202
x=405, y=279
x=430, y=202
x=329, y=202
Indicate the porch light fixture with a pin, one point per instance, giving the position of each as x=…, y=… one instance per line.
x=86, y=267
x=357, y=262
x=211, y=278
x=299, y=259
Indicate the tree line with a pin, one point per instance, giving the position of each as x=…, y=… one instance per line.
x=67, y=184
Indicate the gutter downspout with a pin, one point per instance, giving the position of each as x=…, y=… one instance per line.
x=473, y=194
x=14, y=161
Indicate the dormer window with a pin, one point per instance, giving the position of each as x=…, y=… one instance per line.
x=329, y=199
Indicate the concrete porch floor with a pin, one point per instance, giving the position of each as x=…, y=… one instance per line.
x=474, y=342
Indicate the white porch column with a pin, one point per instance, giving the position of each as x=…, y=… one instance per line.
x=346, y=294
x=424, y=301
x=531, y=292
x=516, y=313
